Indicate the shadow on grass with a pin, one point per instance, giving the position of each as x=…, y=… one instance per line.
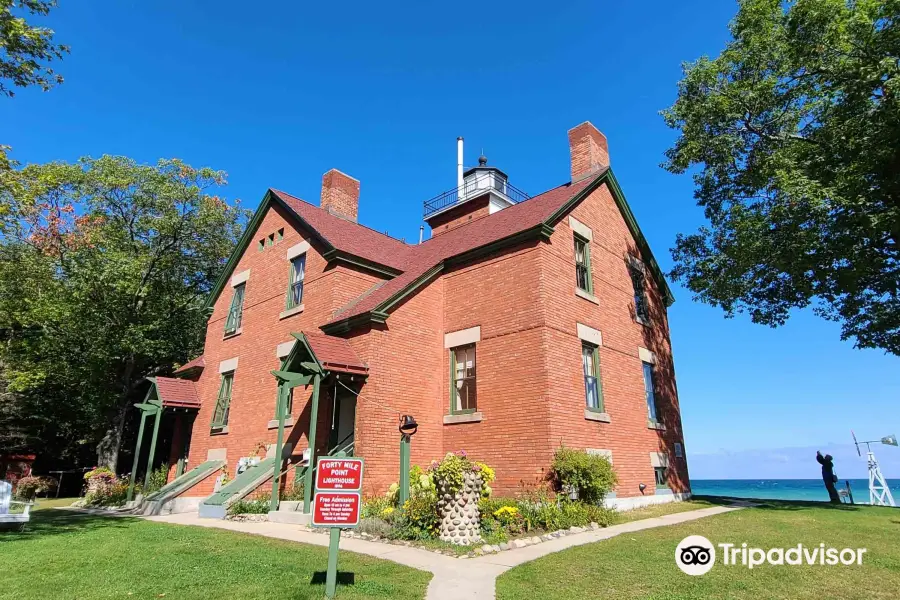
x=343, y=578
x=55, y=522
x=769, y=504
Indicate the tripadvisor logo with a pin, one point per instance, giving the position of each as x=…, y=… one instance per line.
x=696, y=555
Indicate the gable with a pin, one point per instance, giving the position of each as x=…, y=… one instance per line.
x=338, y=239
x=532, y=219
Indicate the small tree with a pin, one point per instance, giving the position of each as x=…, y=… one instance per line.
x=591, y=475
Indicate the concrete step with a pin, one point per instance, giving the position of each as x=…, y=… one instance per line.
x=290, y=517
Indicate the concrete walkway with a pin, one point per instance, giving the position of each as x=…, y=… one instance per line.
x=453, y=578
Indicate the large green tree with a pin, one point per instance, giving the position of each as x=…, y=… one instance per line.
x=104, y=266
x=793, y=135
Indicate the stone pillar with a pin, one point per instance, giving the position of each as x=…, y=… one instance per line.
x=460, y=520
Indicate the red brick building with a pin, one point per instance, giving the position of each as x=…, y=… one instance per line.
x=520, y=325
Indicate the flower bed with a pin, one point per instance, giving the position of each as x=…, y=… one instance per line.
x=450, y=509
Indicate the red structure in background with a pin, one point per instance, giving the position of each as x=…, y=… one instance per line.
x=13, y=467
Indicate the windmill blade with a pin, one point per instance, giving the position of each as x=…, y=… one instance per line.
x=855, y=443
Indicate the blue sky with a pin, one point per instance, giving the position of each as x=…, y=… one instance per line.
x=277, y=93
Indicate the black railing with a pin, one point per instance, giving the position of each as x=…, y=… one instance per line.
x=472, y=188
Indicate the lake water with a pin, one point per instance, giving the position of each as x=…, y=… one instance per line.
x=785, y=489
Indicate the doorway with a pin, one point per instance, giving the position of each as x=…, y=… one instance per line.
x=343, y=420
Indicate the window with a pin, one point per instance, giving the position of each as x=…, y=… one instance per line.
x=662, y=476
x=593, y=390
x=583, y=265
x=463, y=394
x=679, y=450
x=279, y=235
x=262, y=245
x=220, y=414
x=649, y=391
x=236, y=312
x=641, y=308
x=295, y=285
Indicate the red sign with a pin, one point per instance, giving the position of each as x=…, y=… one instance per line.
x=336, y=509
x=344, y=474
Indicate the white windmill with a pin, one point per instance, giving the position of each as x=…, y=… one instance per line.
x=879, y=492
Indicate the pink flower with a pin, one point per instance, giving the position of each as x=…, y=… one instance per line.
x=461, y=454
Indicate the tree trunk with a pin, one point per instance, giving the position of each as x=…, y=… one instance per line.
x=108, y=448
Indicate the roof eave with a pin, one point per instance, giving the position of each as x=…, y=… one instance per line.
x=380, y=313
x=609, y=178
x=330, y=253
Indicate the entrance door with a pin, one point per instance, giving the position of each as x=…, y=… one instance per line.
x=343, y=421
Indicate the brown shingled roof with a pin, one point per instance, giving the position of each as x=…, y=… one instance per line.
x=197, y=363
x=177, y=392
x=335, y=354
x=520, y=217
x=349, y=236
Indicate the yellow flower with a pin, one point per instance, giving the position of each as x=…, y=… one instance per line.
x=388, y=511
x=506, y=510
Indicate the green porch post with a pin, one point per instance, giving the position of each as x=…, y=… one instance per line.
x=276, y=476
x=137, y=455
x=159, y=414
x=313, y=421
x=404, y=469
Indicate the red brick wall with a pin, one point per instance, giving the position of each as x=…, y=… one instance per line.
x=502, y=294
x=471, y=210
x=530, y=386
x=405, y=359
x=627, y=435
x=340, y=194
x=254, y=391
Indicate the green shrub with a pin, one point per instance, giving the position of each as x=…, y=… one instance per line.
x=28, y=487
x=591, y=475
x=156, y=479
x=374, y=526
x=379, y=507
x=249, y=507
x=421, y=512
x=403, y=528
x=293, y=492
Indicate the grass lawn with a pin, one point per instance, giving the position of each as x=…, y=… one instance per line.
x=45, y=503
x=659, y=510
x=642, y=564
x=70, y=555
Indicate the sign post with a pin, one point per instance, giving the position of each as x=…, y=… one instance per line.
x=336, y=505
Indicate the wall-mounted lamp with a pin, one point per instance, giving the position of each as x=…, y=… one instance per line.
x=642, y=487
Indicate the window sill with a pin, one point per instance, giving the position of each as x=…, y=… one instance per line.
x=234, y=333
x=586, y=295
x=656, y=425
x=593, y=415
x=474, y=417
x=662, y=491
x=291, y=312
x=219, y=430
x=288, y=422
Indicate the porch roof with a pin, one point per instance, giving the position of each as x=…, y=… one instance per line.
x=335, y=354
x=197, y=363
x=173, y=392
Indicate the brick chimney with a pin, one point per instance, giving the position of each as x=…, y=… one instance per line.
x=340, y=195
x=588, y=149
